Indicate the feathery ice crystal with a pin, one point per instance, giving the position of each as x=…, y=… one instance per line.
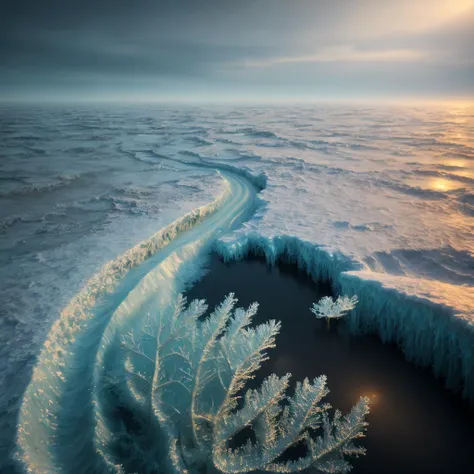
x=329, y=309
x=186, y=380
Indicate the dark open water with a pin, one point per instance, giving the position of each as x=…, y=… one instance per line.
x=416, y=426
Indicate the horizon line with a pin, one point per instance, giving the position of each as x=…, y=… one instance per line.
x=219, y=100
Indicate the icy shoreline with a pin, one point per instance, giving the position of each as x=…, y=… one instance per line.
x=429, y=333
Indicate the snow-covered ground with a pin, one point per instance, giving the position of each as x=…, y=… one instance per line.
x=385, y=195
x=392, y=189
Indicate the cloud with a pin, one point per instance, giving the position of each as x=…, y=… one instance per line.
x=342, y=54
x=299, y=46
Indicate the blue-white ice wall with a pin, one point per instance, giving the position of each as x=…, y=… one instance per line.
x=429, y=335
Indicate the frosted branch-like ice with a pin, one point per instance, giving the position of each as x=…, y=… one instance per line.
x=329, y=309
x=191, y=374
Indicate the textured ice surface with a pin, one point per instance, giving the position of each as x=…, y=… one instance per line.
x=391, y=189
x=385, y=193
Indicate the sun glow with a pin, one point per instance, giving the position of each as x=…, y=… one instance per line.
x=408, y=16
x=440, y=184
x=443, y=185
x=435, y=12
x=459, y=6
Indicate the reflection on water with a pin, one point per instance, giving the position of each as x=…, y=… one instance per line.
x=465, y=173
x=442, y=184
x=454, y=162
x=434, y=183
x=416, y=426
x=374, y=398
x=457, y=135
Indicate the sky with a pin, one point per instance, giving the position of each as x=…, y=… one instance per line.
x=186, y=50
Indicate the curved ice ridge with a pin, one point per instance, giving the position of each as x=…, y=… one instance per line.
x=430, y=333
x=61, y=423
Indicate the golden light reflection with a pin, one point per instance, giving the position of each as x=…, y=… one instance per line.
x=435, y=184
x=454, y=162
x=459, y=167
x=458, y=136
x=441, y=184
x=373, y=396
x=463, y=173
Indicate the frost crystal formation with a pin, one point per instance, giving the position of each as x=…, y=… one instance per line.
x=329, y=309
x=185, y=382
